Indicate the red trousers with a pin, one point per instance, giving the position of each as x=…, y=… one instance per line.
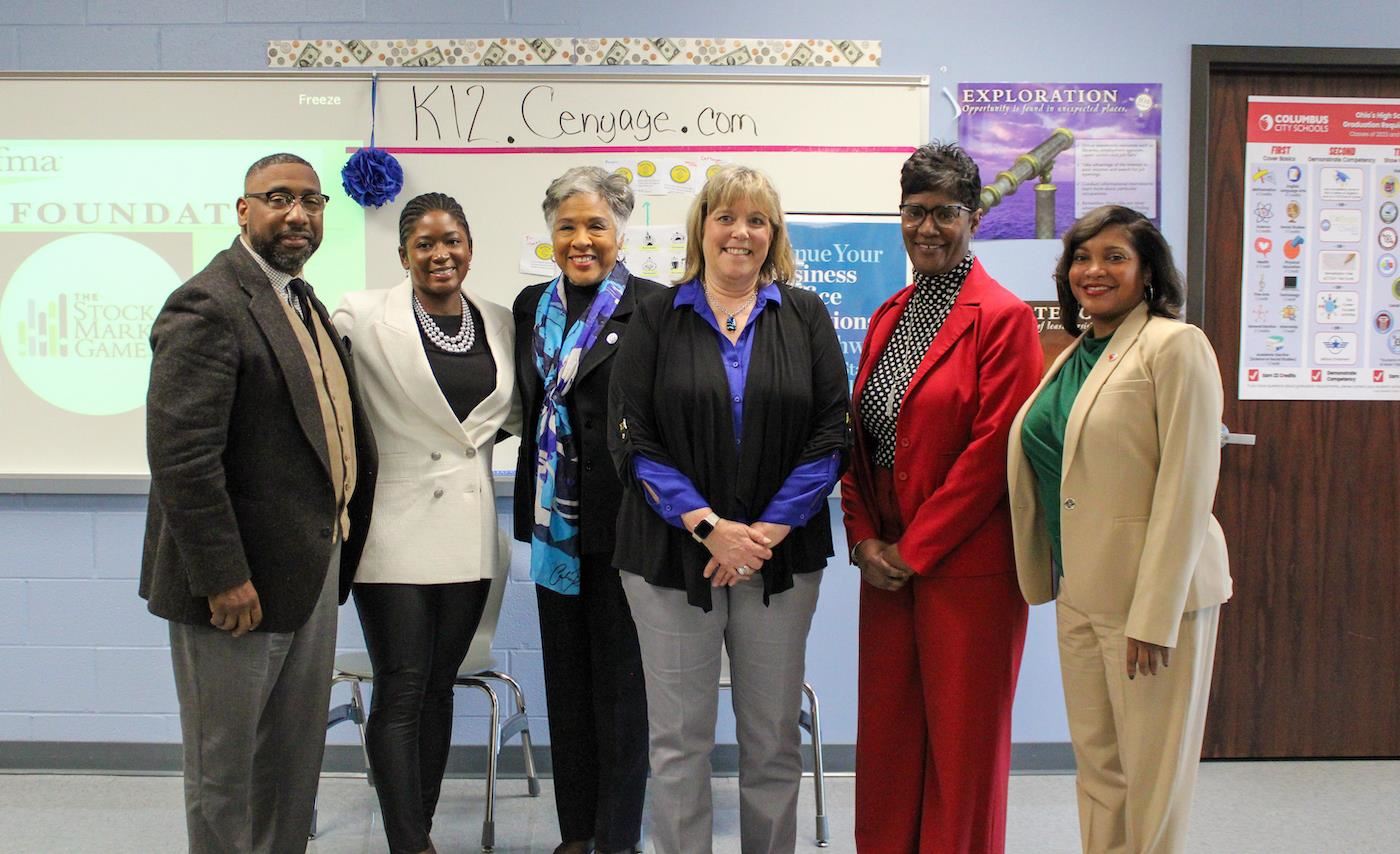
x=938, y=665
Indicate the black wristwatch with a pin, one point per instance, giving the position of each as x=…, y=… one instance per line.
x=705, y=527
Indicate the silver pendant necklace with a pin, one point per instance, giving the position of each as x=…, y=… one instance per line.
x=730, y=325
x=459, y=343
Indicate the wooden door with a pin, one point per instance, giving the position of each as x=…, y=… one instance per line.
x=1308, y=663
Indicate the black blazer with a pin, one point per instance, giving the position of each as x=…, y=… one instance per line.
x=587, y=401
x=670, y=402
x=240, y=472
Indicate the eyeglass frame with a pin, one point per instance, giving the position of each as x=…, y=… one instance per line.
x=915, y=223
x=293, y=201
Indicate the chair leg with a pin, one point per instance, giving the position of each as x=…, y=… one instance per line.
x=814, y=727
x=518, y=723
x=493, y=746
x=357, y=702
x=532, y=780
x=351, y=711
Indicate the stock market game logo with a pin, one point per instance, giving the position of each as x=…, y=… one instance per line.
x=75, y=321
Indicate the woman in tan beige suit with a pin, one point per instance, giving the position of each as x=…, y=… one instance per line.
x=1113, y=465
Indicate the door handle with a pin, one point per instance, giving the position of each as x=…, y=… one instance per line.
x=1228, y=438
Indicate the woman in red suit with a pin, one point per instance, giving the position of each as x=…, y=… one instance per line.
x=946, y=364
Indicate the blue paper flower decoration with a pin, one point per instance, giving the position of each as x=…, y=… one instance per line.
x=372, y=177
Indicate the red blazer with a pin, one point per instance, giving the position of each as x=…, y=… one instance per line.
x=950, y=461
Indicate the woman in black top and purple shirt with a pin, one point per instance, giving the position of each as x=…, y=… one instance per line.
x=728, y=412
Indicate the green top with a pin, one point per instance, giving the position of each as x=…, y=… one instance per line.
x=1043, y=432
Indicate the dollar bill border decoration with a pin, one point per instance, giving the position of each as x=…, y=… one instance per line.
x=422, y=53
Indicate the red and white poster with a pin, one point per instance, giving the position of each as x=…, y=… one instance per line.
x=1321, y=289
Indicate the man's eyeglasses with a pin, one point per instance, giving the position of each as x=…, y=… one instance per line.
x=312, y=203
x=943, y=215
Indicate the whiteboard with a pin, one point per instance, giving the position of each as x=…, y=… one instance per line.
x=116, y=187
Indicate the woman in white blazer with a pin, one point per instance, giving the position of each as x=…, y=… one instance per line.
x=436, y=370
x=1113, y=464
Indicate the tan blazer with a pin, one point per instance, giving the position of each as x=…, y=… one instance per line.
x=1141, y=462
x=436, y=500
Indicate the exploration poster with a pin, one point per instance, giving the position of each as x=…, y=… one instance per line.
x=1051, y=152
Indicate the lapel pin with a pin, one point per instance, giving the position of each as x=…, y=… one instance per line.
x=1112, y=356
x=612, y=338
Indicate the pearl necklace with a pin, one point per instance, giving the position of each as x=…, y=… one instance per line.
x=730, y=325
x=459, y=343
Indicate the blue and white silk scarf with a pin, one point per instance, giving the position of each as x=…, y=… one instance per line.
x=554, y=543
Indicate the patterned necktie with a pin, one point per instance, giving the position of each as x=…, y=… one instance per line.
x=302, y=291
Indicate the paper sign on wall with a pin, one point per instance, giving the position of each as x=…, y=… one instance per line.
x=1320, y=293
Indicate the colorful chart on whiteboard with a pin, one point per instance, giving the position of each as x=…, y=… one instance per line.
x=1321, y=292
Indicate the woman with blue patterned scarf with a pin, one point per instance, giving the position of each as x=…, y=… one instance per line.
x=566, y=499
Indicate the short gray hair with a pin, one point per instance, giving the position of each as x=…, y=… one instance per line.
x=611, y=187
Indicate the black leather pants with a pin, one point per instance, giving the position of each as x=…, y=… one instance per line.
x=417, y=636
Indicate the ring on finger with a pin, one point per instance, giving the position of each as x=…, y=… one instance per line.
x=743, y=570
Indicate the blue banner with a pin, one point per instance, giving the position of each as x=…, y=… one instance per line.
x=854, y=263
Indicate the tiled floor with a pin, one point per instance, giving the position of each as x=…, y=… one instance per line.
x=1241, y=808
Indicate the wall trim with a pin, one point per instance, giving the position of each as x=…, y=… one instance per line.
x=466, y=760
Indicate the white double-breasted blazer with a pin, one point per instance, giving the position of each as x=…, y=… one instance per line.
x=435, y=505
x=1141, y=462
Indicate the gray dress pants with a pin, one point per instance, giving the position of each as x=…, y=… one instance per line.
x=253, y=721
x=767, y=649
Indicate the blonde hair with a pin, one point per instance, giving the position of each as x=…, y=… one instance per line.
x=728, y=185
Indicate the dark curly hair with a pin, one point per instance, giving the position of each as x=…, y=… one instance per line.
x=938, y=167
x=1164, y=291
x=420, y=206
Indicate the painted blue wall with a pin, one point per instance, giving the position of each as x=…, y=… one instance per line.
x=81, y=660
